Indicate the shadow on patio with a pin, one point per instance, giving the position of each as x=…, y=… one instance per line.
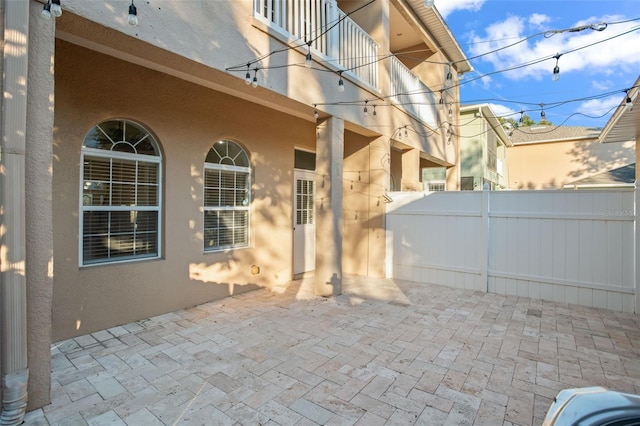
x=384, y=352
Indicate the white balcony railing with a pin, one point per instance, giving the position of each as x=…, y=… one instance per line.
x=333, y=35
x=338, y=39
x=412, y=94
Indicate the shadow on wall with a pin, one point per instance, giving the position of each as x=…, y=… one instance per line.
x=267, y=260
x=598, y=157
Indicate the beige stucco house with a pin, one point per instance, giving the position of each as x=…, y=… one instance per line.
x=195, y=155
x=483, y=149
x=555, y=157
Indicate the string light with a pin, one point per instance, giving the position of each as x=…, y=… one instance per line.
x=441, y=101
x=340, y=83
x=133, y=15
x=56, y=9
x=450, y=113
x=449, y=78
x=365, y=108
x=46, y=10
x=308, y=60
x=254, y=83
x=556, y=69
x=628, y=103
x=374, y=111
x=247, y=76
x=542, y=114
x=315, y=111
x=596, y=27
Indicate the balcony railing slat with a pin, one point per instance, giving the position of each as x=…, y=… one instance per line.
x=412, y=94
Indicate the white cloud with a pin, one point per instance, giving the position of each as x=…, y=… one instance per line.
x=602, y=85
x=601, y=58
x=503, y=111
x=598, y=107
x=538, y=19
x=445, y=7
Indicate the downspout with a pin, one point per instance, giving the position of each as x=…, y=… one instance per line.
x=13, y=291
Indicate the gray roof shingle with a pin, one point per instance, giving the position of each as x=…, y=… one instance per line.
x=547, y=133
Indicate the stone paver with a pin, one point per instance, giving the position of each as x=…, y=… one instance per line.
x=383, y=353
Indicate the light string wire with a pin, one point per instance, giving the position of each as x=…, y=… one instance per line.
x=554, y=104
x=547, y=34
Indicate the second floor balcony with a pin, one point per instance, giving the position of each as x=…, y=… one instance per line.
x=336, y=40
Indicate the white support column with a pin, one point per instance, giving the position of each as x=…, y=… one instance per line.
x=13, y=304
x=329, y=160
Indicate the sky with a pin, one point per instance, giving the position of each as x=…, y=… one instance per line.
x=594, y=71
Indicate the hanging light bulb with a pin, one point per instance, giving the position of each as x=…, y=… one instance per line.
x=556, y=69
x=247, y=77
x=628, y=103
x=254, y=83
x=449, y=78
x=542, y=114
x=133, y=15
x=56, y=9
x=450, y=113
x=46, y=10
x=366, y=111
x=521, y=117
x=441, y=102
x=308, y=60
x=406, y=133
x=374, y=111
x=315, y=112
x=340, y=84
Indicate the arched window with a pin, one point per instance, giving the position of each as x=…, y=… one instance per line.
x=121, y=194
x=227, y=184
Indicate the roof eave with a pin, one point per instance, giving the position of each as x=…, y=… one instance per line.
x=624, y=124
x=439, y=31
x=487, y=113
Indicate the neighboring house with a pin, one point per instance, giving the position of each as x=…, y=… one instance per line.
x=622, y=177
x=194, y=156
x=483, y=149
x=552, y=157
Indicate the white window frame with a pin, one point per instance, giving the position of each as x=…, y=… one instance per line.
x=205, y=208
x=118, y=155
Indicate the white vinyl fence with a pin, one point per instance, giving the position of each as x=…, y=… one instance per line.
x=566, y=246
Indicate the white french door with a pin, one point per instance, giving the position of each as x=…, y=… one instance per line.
x=304, y=222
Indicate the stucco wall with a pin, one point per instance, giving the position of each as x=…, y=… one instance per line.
x=197, y=43
x=363, y=206
x=186, y=119
x=554, y=164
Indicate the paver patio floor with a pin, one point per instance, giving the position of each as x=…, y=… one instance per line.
x=383, y=353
